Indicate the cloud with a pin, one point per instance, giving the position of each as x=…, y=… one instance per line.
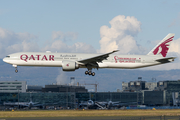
x=64, y=36
x=62, y=78
x=174, y=47
x=120, y=35
x=11, y=42
x=8, y=37
x=82, y=48
x=59, y=44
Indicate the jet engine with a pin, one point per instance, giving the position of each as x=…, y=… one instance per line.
x=69, y=65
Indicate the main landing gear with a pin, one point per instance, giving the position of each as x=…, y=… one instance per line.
x=90, y=73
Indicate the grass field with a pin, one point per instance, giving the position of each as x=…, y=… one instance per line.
x=86, y=113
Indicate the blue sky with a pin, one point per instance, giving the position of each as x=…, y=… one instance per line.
x=80, y=21
x=85, y=17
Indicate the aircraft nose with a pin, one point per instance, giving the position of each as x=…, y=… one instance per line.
x=6, y=60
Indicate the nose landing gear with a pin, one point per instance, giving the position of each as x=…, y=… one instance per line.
x=16, y=68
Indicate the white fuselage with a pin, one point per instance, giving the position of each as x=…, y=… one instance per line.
x=55, y=60
x=73, y=61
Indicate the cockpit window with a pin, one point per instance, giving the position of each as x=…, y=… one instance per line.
x=8, y=56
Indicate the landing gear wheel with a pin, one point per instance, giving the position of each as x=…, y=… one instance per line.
x=86, y=72
x=90, y=72
x=16, y=70
x=93, y=74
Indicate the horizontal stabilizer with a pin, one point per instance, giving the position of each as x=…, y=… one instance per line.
x=166, y=60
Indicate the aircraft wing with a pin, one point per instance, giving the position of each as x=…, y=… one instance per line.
x=166, y=60
x=93, y=60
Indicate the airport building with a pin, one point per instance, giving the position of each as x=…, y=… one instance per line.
x=170, y=87
x=34, y=88
x=70, y=99
x=64, y=88
x=151, y=85
x=64, y=96
x=12, y=86
x=162, y=93
x=133, y=86
x=123, y=97
x=63, y=100
x=154, y=98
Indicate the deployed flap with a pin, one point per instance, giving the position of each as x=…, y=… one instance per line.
x=93, y=60
x=166, y=60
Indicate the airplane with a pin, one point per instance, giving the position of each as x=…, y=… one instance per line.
x=104, y=105
x=31, y=104
x=23, y=104
x=94, y=104
x=73, y=61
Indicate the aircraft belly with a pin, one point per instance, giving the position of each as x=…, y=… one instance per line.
x=126, y=65
x=38, y=63
x=103, y=65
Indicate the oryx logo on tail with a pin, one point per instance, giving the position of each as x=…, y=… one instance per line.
x=162, y=48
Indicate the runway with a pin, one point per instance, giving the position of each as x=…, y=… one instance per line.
x=91, y=115
x=99, y=118
x=72, y=118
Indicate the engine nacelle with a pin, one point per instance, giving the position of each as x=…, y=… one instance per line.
x=69, y=65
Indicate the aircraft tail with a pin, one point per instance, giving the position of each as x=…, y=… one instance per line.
x=162, y=48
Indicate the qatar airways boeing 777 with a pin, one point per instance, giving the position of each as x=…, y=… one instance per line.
x=73, y=61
